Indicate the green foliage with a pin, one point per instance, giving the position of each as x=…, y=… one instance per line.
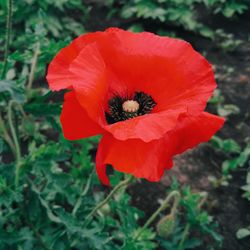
x=245, y=232
x=11, y=89
x=236, y=158
x=228, y=8
x=192, y=222
x=225, y=110
x=57, y=191
x=181, y=13
x=227, y=42
x=38, y=23
x=178, y=12
x=227, y=146
x=236, y=162
x=246, y=188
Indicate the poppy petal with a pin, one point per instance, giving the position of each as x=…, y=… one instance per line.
x=168, y=69
x=192, y=130
x=58, y=70
x=146, y=128
x=76, y=124
x=88, y=76
x=143, y=160
x=100, y=165
x=149, y=160
x=57, y=74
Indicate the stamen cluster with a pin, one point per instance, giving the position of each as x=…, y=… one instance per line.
x=121, y=109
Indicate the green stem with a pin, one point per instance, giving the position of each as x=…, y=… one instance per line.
x=177, y=198
x=187, y=227
x=33, y=65
x=204, y=196
x=184, y=237
x=6, y=136
x=21, y=110
x=106, y=200
x=174, y=194
x=16, y=142
x=84, y=192
x=7, y=37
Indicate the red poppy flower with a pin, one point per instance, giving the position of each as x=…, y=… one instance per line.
x=144, y=93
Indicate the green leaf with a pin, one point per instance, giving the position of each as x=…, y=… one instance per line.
x=248, y=178
x=193, y=243
x=45, y=109
x=228, y=145
x=243, y=233
x=206, y=32
x=231, y=146
x=16, y=93
x=228, y=109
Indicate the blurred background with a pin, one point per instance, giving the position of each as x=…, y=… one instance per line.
x=47, y=184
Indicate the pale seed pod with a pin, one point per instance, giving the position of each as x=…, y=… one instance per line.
x=165, y=226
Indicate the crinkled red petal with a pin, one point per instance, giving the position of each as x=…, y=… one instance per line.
x=146, y=128
x=76, y=124
x=89, y=81
x=149, y=160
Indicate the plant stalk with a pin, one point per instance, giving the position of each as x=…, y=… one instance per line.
x=7, y=37
x=106, y=200
x=15, y=140
x=84, y=192
x=33, y=65
x=184, y=237
x=174, y=194
x=6, y=136
x=187, y=227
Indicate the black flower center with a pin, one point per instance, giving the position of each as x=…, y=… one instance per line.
x=121, y=109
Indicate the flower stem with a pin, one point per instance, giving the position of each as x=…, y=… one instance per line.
x=33, y=65
x=204, y=196
x=174, y=194
x=6, y=136
x=84, y=192
x=16, y=143
x=7, y=37
x=187, y=227
x=184, y=237
x=106, y=200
